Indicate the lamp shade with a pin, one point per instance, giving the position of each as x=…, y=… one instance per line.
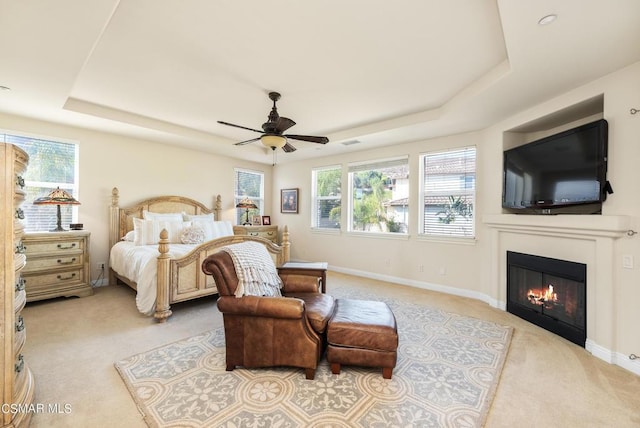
x=57, y=197
x=246, y=203
x=273, y=141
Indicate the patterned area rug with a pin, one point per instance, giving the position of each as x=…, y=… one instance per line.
x=447, y=372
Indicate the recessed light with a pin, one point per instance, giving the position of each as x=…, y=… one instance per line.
x=548, y=19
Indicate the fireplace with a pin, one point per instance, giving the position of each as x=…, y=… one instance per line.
x=550, y=293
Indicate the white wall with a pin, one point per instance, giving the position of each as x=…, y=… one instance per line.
x=382, y=256
x=139, y=169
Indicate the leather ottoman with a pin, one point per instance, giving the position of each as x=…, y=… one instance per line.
x=362, y=333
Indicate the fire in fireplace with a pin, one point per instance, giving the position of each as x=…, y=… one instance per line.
x=548, y=292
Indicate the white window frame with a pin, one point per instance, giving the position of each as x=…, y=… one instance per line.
x=315, y=199
x=354, y=167
x=46, y=212
x=259, y=201
x=470, y=196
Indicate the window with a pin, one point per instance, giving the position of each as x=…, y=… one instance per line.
x=327, y=197
x=448, y=192
x=248, y=184
x=51, y=164
x=379, y=195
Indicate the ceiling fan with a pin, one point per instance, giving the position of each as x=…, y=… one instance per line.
x=272, y=130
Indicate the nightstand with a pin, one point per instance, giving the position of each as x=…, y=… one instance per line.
x=267, y=232
x=58, y=265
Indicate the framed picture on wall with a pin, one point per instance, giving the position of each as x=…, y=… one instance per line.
x=266, y=220
x=289, y=201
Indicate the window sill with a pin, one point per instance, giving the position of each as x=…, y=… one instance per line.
x=322, y=231
x=380, y=235
x=446, y=240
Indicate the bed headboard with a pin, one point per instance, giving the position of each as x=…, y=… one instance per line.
x=121, y=218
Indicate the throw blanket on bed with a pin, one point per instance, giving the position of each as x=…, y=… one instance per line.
x=257, y=274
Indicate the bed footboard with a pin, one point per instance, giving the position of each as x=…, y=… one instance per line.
x=182, y=279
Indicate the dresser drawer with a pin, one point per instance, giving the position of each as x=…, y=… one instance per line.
x=48, y=263
x=53, y=279
x=19, y=301
x=33, y=248
x=20, y=335
x=266, y=232
x=271, y=235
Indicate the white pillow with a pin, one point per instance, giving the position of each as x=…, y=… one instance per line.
x=130, y=236
x=192, y=235
x=188, y=217
x=147, y=232
x=148, y=215
x=212, y=229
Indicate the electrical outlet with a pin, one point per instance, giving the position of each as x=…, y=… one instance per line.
x=101, y=266
x=627, y=261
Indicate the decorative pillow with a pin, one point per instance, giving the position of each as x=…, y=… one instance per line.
x=212, y=229
x=192, y=235
x=147, y=232
x=148, y=215
x=130, y=236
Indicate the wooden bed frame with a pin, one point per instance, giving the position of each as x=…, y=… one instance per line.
x=180, y=279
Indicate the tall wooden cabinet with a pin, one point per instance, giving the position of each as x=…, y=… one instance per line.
x=16, y=384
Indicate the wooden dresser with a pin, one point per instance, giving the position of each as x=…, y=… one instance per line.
x=17, y=384
x=58, y=265
x=267, y=232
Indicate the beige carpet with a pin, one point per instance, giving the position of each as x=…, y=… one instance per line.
x=73, y=343
x=447, y=372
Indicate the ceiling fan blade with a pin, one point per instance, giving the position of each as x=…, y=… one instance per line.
x=288, y=148
x=283, y=124
x=242, y=143
x=238, y=126
x=309, y=138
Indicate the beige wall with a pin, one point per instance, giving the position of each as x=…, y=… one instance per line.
x=469, y=269
x=139, y=169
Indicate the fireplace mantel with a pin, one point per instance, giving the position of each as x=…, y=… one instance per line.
x=587, y=239
x=609, y=226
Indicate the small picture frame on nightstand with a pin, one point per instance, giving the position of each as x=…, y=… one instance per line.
x=266, y=220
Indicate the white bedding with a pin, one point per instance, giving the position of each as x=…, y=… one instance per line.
x=139, y=263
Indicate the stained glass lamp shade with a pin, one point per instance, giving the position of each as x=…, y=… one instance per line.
x=57, y=197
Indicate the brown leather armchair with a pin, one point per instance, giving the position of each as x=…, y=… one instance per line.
x=271, y=331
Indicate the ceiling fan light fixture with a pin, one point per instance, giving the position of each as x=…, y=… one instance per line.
x=273, y=141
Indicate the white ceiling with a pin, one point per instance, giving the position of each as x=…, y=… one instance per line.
x=375, y=71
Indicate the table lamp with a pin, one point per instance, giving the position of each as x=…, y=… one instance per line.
x=57, y=197
x=247, y=204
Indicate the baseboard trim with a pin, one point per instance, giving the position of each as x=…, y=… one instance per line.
x=611, y=357
x=596, y=350
x=423, y=285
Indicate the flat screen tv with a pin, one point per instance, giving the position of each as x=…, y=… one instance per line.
x=563, y=170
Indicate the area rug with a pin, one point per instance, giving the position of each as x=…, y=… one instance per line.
x=447, y=371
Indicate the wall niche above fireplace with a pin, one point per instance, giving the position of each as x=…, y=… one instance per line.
x=550, y=293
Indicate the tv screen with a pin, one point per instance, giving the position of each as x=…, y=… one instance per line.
x=565, y=169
